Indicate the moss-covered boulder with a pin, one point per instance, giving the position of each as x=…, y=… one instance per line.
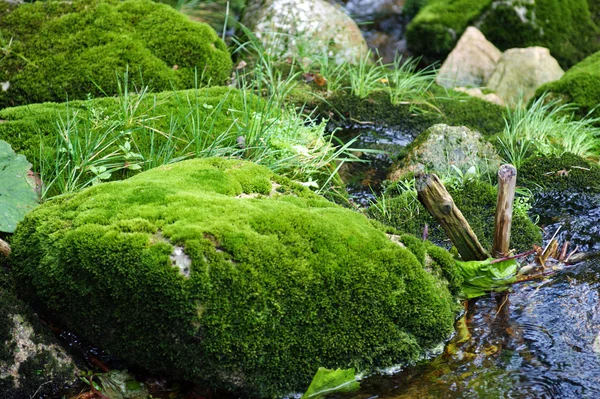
x=476, y=200
x=580, y=85
x=62, y=50
x=32, y=364
x=564, y=26
x=221, y=272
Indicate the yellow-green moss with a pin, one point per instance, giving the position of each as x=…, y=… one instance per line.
x=567, y=172
x=580, y=85
x=66, y=50
x=279, y=285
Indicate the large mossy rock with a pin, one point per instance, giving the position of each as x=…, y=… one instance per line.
x=63, y=50
x=564, y=26
x=443, y=149
x=580, y=85
x=521, y=71
x=32, y=364
x=303, y=28
x=221, y=272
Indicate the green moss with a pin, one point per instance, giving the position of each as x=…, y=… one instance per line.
x=564, y=26
x=462, y=110
x=278, y=286
x=67, y=50
x=567, y=172
x=580, y=85
x=477, y=202
x=176, y=113
x=438, y=26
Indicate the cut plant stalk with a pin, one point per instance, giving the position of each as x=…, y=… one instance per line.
x=507, y=179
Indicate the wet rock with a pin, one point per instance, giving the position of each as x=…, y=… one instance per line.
x=306, y=27
x=441, y=148
x=521, y=71
x=471, y=62
x=31, y=361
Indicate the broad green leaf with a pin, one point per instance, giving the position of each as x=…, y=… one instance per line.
x=328, y=381
x=122, y=385
x=483, y=276
x=17, y=194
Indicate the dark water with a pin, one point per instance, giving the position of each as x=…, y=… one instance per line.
x=536, y=341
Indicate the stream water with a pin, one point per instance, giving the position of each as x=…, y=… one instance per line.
x=540, y=340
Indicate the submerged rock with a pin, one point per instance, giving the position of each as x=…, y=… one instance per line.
x=305, y=28
x=277, y=281
x=521, y=71
x=442, y=149
x=32, y=364
x=471, y=62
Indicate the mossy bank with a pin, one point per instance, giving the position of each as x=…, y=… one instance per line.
x=61, y=50
x=221, y=272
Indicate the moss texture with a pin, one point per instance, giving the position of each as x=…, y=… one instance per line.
x=580, y=85
x=564, y=26
x=437, y=27
x=567, y=172
x=66, y=50
x=44, y=371
x=461, y=110
x=281, y=281
x=25, y=126
x=476, y=200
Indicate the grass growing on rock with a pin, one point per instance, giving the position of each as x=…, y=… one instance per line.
x=58, y=50
x=275, y=281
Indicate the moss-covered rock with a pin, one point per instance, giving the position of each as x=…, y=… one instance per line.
x=567, y=172
x=563, y=26
x=477, y=202
x=215, y=110
x=66, y=50
x=437, y=27
x=31, y=361
x=221, y=272
x=580, y=85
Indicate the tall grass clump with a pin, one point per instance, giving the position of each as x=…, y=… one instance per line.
x=547, y=127
x=410, y=86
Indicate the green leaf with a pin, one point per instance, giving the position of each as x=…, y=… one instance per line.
x=328, y=381
x=483, y=276
x=17, y=194
x=122, y=385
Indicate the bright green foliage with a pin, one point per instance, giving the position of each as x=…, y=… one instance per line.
x=327, y=381
x=567, y=172
x=438, y=26
x=477, y=202
x=563, y=26
x=17, y=196
x=57, y=50
x=39, y=375
x=281, y=281
x=484, y=276
x=580, y=85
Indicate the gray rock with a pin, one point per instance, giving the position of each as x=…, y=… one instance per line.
x=442, y=148
x=304, y=28
x=521, y=71
x=471, y=63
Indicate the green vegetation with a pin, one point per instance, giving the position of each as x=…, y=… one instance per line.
x=400, y=208
x=567, y=172
x=81, y=143
x=580, y=85
x=273, y=283
x=56, y=50
x=547, y=127
x=565, y=27
x=438, y=26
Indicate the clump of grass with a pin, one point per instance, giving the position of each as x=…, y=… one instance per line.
x=547, y=127
x=410, y=85
x=367, y=76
